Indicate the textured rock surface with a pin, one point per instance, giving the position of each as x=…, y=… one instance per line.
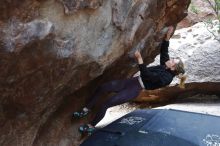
x=53, y=52
x=72, y=6
x=199, y=10
x=201, y=55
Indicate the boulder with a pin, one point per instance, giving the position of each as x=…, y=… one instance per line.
x=54, y=53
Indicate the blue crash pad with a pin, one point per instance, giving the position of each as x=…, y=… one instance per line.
x=159, y=127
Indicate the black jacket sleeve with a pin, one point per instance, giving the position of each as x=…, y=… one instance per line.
x=144, y=71
x=164, y=56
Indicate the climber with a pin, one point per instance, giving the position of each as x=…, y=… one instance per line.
x=150, y=78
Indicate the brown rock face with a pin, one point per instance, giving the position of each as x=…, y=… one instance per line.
x=172, y=93
x=53, y=54
x=72, y=6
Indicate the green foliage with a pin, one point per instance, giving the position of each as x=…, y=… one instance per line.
x=219, y=29
x=194, y=9
x=215, y=5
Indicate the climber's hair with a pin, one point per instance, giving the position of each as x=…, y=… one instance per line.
x=180, y=71
x=182, y=80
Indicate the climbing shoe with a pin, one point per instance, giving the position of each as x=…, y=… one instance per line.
x=81, y=114
x=86, y=129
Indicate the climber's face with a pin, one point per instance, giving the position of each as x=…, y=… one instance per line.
x=171, y=64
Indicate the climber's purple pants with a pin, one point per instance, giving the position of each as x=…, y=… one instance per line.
x=126, y=90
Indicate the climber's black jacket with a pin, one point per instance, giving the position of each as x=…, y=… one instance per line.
x=157, y=76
